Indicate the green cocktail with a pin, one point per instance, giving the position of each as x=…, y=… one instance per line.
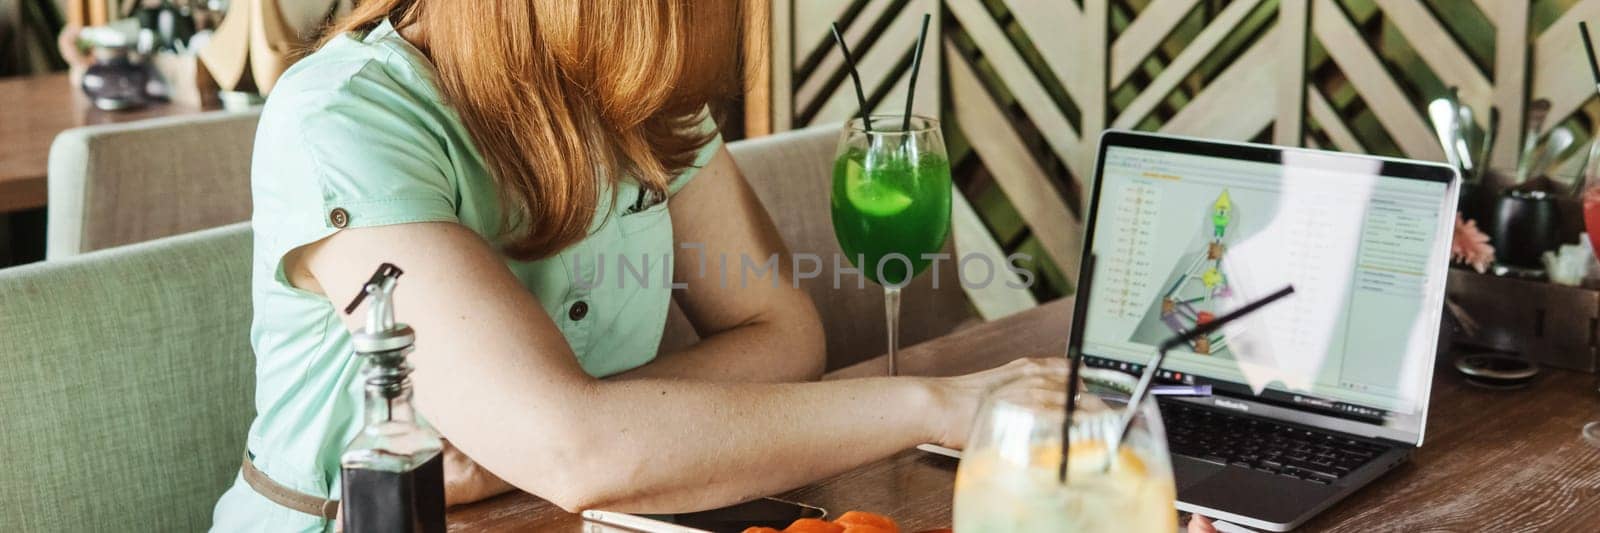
x=891, y=203
x=896, y=205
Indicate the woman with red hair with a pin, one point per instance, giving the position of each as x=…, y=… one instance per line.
x=493, y=149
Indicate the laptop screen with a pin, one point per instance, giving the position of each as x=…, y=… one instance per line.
x=1184, y=231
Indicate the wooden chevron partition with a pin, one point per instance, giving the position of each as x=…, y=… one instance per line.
x=1025, y=86
x=882, y=34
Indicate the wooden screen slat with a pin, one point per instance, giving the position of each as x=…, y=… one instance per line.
x=1510, y=75
x=999, y=298
x=1382, y=94
x=757, y=62
x=1441, y=53
x=1006, y=156
x=1563, y=73
x=1240, y=102
x=1488, y=7
x=783, y=64
x=1020, y=81
x=1181, y=66
x=811, y=20
x=1142, y=36
x=1293, y=31
x=1056, y=29
x=1331, y=123
x=812, y=88
x=1093, y=108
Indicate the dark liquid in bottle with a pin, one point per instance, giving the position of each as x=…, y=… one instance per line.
x=409, y=502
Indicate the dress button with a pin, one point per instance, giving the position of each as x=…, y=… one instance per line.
x=578, y=310
x=339, y=217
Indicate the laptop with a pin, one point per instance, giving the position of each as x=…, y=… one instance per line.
x=1179, y=226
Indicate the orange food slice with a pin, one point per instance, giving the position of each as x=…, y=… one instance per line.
x=868, y=521
x=858, y=528
x=812, y=525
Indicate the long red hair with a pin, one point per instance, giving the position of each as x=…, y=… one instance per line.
x=564, y=96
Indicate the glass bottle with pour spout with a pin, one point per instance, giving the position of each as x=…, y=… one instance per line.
x=393, y=470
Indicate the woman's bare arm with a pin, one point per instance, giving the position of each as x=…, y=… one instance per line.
x=750, y=328
x=497, y=378
x=751, y=332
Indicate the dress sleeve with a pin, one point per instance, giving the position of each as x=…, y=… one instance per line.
x=357, y=154
x=374, y=167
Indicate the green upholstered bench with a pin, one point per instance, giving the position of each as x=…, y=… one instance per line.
x=125, y=384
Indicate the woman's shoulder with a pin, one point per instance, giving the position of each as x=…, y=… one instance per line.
x=346, y=131
x=350, y=74
x=354, y=96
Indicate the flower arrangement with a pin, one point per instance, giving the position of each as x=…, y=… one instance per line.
x=1470, y=246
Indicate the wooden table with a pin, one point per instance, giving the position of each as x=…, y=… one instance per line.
x=1501, y=461
x=33, y=109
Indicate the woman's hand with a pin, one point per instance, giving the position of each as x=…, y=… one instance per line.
x=1200, y=524
x=959, y=397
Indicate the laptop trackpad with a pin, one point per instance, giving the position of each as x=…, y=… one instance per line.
x=1258, y=495
x=1188, y=472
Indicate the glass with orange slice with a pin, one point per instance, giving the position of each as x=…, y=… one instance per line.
x=1009, y=479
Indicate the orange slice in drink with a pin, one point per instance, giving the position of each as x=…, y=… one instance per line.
x=1090, y=456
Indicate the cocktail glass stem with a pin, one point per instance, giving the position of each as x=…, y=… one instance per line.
x=891, y=308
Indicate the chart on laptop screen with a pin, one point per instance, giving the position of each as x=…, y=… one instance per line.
x=1167, y=232
x=1191, y=291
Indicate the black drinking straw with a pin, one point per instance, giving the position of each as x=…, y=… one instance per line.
x=1075, y=362
x=1142, y=389
x=866, y=123
x=1588, y=48
x=916, y=66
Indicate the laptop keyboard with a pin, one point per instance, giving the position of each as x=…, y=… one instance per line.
x=1250, y=442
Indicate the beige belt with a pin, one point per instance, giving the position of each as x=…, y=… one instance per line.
x=285, y=496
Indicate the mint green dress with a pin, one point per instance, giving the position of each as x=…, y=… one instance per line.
x=357, y=135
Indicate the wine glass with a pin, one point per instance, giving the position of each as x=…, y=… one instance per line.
x=1009, y=476
x=891, y=203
